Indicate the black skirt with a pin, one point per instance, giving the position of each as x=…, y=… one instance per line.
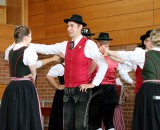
x=147, y=109
x=56, y=117
x=20, y=107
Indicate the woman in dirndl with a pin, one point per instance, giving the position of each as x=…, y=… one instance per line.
x=56, y=116
x=20, y=106
x=147, y=105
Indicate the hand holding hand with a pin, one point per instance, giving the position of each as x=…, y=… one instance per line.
x=55, y=58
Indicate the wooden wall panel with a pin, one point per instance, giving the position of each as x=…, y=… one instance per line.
x=51, y=40
x=17, y=12
x=129, y=36
x=33, y=1
x=14, y=12
x=157, y=26
x=38, y=33
x=111, y=9
x=24, y=12
x=156, y=17
x=6, y=36
x=5, y=43
x=6, y=31
x=134, y=20
x=36, y=8
x=3, y=14
x=57, y=5
x=156, y=4
x=127, y=21
x=36, y=20
x=49, y=32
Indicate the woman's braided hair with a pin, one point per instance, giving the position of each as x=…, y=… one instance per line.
x=20, y=32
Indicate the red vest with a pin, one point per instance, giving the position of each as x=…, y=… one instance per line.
x=77, y=65
x=139, y=80
x=109, y=77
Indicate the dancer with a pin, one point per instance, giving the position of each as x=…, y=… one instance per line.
x=76, y=74
x=20, y=106
x=56, y=117
x=104, y=98
x=135, y=59
x=147, y=104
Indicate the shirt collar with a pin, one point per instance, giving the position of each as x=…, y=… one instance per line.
x=77, y=40
x=17, y=46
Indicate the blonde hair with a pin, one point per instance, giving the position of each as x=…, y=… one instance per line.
x=155, y=37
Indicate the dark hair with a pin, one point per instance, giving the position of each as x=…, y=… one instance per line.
x=20, y=32
x=61, y=60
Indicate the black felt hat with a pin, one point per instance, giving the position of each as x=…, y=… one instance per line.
x=76, y=18
x=143, y=37
x=103, y=36
x=87, y=32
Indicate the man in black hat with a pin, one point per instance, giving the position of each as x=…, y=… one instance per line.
x=146, y=41
x=104, y=99
x=136, y=58
x=79, y=52
x=87, y=33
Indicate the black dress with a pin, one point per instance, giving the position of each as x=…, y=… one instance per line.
x=20, y=107
x=56, y=117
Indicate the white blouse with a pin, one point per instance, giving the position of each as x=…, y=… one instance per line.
x=137, y=57
x=57, y=70
x=30, y=56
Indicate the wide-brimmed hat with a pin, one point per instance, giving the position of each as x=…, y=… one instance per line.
x=103, y=36
x=86, y=32
x=76, y=18
x=143, y=37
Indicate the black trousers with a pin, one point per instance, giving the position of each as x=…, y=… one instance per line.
x=74, y=103
x=101, y=107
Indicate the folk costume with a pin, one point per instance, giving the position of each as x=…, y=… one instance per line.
x=20, y=108
x=82, y=53
x=56, y=117
x=103, y=101
x=147, y=104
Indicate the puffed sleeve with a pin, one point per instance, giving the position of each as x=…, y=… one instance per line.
x=30, y=56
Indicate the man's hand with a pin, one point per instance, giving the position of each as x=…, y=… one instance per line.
x=84, y=87
x=133, y=84
x=55, y=58
x=104, y=50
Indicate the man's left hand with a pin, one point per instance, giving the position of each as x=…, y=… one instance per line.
x=84, y=87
